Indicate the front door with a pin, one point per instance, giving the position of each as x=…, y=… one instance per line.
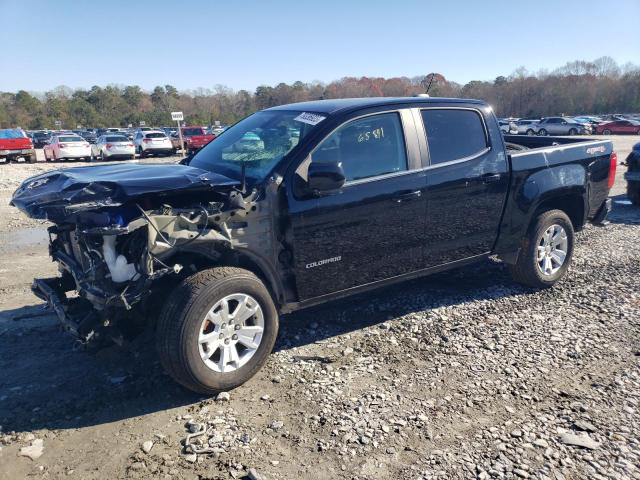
x=373, y=228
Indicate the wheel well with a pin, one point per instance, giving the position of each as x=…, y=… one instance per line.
x=572, y=205
x=196, y=261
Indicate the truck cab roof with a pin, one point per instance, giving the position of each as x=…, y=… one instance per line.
x=345, y=104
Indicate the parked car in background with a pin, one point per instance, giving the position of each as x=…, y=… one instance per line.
x=218, y=130
x=525, y=126
x=16, y=145
x=40, y=139
x=559, y=126
x=629, y=127
x=108, y=147
x=154, y=142
x=67, y=147
x=88, y=136
x=632, y=175
x=194, y=138
x=508, y=127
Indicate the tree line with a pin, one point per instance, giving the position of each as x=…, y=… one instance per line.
x=579, y=87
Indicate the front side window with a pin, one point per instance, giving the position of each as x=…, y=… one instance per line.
x=366, y=147
x=453, y=134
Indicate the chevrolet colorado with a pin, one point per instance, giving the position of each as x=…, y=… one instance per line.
x=332, y=198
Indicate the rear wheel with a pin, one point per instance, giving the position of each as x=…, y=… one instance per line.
x=633, y=192
x=217, y=329
x=530, y=132
x=606, y=132
x=546, y=251
x=102, y=159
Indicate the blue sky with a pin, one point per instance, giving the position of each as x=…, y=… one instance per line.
x=243, y=44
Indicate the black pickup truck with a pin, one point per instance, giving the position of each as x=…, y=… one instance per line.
x=300, y=204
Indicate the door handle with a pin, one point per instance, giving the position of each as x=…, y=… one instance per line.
x=403, y=197
x=491, y=177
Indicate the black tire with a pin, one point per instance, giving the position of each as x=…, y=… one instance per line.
x=526, y=270
x=542, y=132
x=573, y=131
x=633, y=192
x=531, y=132
x=606, y=132
x=181, y=319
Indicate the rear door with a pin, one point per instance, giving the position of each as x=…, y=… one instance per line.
x=373, y=228
x=467, y=182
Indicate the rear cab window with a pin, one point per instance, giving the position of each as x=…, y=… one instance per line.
x=454, y=134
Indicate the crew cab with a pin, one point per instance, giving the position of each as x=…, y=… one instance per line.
x=194, y=138
x=15, y=145
x=336, y=197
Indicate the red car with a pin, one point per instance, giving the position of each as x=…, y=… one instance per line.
x=15, y=144
x=619, y=126
x=194, y=138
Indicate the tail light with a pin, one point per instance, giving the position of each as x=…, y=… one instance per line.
x=130, y=145
x=613, y=163
x=63, y=145
x=109, y=145
x=146, y=140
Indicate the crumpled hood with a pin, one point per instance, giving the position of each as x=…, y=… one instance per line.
x=55, y=195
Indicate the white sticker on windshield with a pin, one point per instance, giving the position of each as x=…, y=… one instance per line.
x=310, y=118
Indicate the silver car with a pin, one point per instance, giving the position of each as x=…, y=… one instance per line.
x=112, y=146
x=527, y=127
x=559, y=126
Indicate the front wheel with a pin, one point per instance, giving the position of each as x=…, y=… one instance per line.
x=542, y=132
x=546, y=251
x=530, y=132
x=217, y=329
x=606, y=132
x=573, y=131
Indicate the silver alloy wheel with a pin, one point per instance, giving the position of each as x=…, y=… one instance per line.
x=552, y=250
x=231, y=332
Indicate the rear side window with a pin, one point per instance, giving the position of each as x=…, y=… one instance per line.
x=453, y=134
x=366, y=147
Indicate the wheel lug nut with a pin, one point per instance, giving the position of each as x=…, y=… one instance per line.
x=235, y=337
x=237, y=327
x=224, y=325
x=221, y=336
x=226, y=342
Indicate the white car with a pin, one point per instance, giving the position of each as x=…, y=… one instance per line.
x=67, y=147
x=154, y=142
x=112, y=146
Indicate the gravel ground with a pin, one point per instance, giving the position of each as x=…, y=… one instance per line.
x=459, y=375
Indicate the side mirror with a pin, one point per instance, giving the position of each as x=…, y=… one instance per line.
x=325, y=177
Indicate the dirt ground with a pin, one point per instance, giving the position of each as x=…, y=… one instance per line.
x=459, y=375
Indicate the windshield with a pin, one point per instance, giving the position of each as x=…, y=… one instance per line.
x=189, y=132
x=259, y=141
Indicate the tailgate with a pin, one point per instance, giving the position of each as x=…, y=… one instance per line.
x=15, y=144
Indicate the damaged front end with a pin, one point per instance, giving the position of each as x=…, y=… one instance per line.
x=115, y=240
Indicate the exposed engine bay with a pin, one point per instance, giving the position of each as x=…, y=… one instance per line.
x=115, y=249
